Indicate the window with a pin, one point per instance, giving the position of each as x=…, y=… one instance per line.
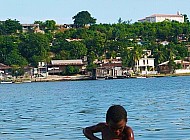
x=143, y=62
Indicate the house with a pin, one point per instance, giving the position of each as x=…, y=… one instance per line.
x=4, y=67
x=162, y=17
x=145, y=65
x=66, y=26
x=164, y=43
x=112, y=70
x=57, y=66
x=1, y=74
x=71, y=40
x=185, y=67
x=4, y=70
x=31, y=28
x=41, y=71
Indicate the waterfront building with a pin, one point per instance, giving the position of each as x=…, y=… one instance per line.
x=185, y=67
x=58, y=66
x=145, y=65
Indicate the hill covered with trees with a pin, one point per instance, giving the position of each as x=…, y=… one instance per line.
x=97, y=41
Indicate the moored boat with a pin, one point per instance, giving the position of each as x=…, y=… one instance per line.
x=6, y=82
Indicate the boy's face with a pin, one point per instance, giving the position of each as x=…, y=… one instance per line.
x=117, y=128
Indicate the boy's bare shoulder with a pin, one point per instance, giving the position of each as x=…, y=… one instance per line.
x=129, y=132
x=98, y=127
x=101, y=125
x=128, y=128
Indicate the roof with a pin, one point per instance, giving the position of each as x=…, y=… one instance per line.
x=70, y=40
x=165, y=15
x=4, y=67
x=176, y=61
x=67, y=62
x=112, y=65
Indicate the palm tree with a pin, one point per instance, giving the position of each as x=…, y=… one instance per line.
x=136, y=53
x=158, y=54
x=171, y=55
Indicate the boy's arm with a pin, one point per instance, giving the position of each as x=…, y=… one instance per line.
x=89, y=131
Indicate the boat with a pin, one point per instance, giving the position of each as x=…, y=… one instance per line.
x=6, y=82
x=141, y=77
x=27, y=81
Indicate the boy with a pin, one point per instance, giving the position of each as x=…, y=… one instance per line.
x=115, y=127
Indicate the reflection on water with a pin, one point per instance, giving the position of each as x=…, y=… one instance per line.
x=158, y=108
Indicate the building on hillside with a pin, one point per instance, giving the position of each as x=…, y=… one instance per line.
x=162, y=17
x=185, y=67
x=164, y=43
x=31, y=28
x=63, y=27
x=71, y=40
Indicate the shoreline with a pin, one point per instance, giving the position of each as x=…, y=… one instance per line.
x=53, y=78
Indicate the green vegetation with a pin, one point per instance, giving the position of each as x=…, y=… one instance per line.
x=83, y=18
x=98, y=41
x=70, y=70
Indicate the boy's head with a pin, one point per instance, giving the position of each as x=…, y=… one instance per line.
x=116, y=118
x=116, y=113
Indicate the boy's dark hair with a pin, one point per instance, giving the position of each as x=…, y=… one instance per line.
x=116, y=113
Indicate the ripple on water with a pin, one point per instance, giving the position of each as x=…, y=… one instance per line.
x=158, y=108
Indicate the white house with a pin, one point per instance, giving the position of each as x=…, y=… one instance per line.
x=145, y=65
x=41, y=70
x=161, y=17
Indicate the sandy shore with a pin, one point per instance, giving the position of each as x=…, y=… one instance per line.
x=60, y=78
x=52, y=78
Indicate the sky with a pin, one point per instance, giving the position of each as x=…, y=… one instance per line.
x=105, y=11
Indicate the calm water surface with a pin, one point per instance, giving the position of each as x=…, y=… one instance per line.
x=158, y=108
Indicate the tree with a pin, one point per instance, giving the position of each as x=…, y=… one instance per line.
x=41, y=24
x=186, y=19
x=136, y=53
x=34, y=47
x=77, y=50
x=7, y=44
x=120, y=20
x=171, y=56
x=12, y=26
x=50, y=25
x=83, y=18
x=158, y=53
x=96, y=45
x=15, y=58
x=70, y=70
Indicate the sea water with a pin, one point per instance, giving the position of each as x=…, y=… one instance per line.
x=158, y=108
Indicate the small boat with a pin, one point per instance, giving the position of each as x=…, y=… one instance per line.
x=6, y=82
x=27, y=81
x=141, y=77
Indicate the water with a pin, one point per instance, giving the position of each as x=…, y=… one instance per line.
x=158, y=108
